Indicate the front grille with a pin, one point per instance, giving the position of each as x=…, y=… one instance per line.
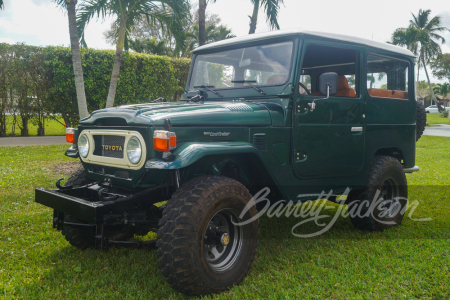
x=122, y=174
x=109, y=145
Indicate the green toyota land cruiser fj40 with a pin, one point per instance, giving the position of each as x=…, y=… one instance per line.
x=297, y=112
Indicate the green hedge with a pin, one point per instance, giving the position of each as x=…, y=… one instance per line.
x=45, y=75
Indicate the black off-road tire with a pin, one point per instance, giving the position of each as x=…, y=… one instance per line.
x=366, y=212
x=421, y=120
x=84, y=238
x=181, y=240
x=78, y=237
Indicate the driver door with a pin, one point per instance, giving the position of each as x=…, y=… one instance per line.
x=329, y=140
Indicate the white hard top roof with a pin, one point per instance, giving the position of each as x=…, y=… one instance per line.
x=280, y=33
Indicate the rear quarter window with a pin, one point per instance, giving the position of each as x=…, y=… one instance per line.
x=387, y=77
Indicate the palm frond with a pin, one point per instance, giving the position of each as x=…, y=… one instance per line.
x=271, y=8
x=87, y=11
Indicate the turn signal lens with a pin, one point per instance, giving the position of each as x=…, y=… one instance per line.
x=173, y=141
x=164, y=140
x=70, y=135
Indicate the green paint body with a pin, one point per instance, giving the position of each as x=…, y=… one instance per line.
x=305, y=152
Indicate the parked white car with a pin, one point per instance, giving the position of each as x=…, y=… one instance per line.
x=434, y=109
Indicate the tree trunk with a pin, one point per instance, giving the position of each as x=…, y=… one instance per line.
x=433, y=97
x=66, y=119
x=24, y=129
x=76, y=59
x=201, y=22
x=254, y=18
x=116, y=67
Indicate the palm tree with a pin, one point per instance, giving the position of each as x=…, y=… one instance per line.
x=213, y=33
x=150, y=46
x=76, y=56
x=128, y=13
x=202, y=21
x=422, y=38
x=222, y=33
x=271, y=7
x=442, y=89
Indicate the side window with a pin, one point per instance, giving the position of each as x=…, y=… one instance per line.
x=387, y=77
x=320, y=59
x=305, y=81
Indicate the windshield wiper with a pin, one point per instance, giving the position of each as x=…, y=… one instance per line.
x=208, y=88
x=251, y=85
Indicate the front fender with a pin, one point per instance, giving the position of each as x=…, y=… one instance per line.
x=190, y=152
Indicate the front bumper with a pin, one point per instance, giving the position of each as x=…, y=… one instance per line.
x=87, y=203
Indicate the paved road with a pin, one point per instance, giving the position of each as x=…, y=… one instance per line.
x=443, y=130
x=32, y=140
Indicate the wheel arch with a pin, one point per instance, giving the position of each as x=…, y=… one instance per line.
x=391, y=151
x=236, y=160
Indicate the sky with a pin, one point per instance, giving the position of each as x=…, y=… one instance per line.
x=41, y=22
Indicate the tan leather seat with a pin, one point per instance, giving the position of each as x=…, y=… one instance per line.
x=383, y=93
x=344, y=89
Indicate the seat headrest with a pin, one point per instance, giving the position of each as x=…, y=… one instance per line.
x=342, y=83
x=277, y=79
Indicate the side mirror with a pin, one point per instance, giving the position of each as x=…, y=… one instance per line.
x=328, y=84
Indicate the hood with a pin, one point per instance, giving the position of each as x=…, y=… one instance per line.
x=185, y=114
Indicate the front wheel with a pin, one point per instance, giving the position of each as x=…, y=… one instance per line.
x=201, y=247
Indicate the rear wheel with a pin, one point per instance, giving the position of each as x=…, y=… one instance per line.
x=201, y=249
x=381, y=205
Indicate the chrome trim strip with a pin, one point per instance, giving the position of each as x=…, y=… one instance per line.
x=410, y=170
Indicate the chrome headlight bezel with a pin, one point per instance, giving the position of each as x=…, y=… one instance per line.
x=134, y=152
x=83, y=146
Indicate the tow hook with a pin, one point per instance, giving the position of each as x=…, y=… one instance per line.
x=58, y=185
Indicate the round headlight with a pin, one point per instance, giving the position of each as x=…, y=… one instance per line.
x=83, y=145
x=134, y=150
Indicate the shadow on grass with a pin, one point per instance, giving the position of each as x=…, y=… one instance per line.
x=134, y=273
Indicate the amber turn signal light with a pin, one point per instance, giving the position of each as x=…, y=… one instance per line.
x=164, y=140
x=70, y=135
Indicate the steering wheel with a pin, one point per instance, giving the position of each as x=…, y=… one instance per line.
x=305, y=88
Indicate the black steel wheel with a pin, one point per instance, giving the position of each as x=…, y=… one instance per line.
x=381, y=205
x=201, y=249
x=223, y=240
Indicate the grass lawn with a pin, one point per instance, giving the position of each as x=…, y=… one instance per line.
x=435, y=118
x=407, y=262
x=52, y=127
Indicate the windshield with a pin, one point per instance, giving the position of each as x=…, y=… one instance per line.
x=260, y=65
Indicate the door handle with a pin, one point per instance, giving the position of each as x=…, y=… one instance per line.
x=357, y=129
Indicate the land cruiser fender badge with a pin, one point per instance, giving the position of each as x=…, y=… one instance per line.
x=216, y=133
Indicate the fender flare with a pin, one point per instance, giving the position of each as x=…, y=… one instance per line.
x=190, y=152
